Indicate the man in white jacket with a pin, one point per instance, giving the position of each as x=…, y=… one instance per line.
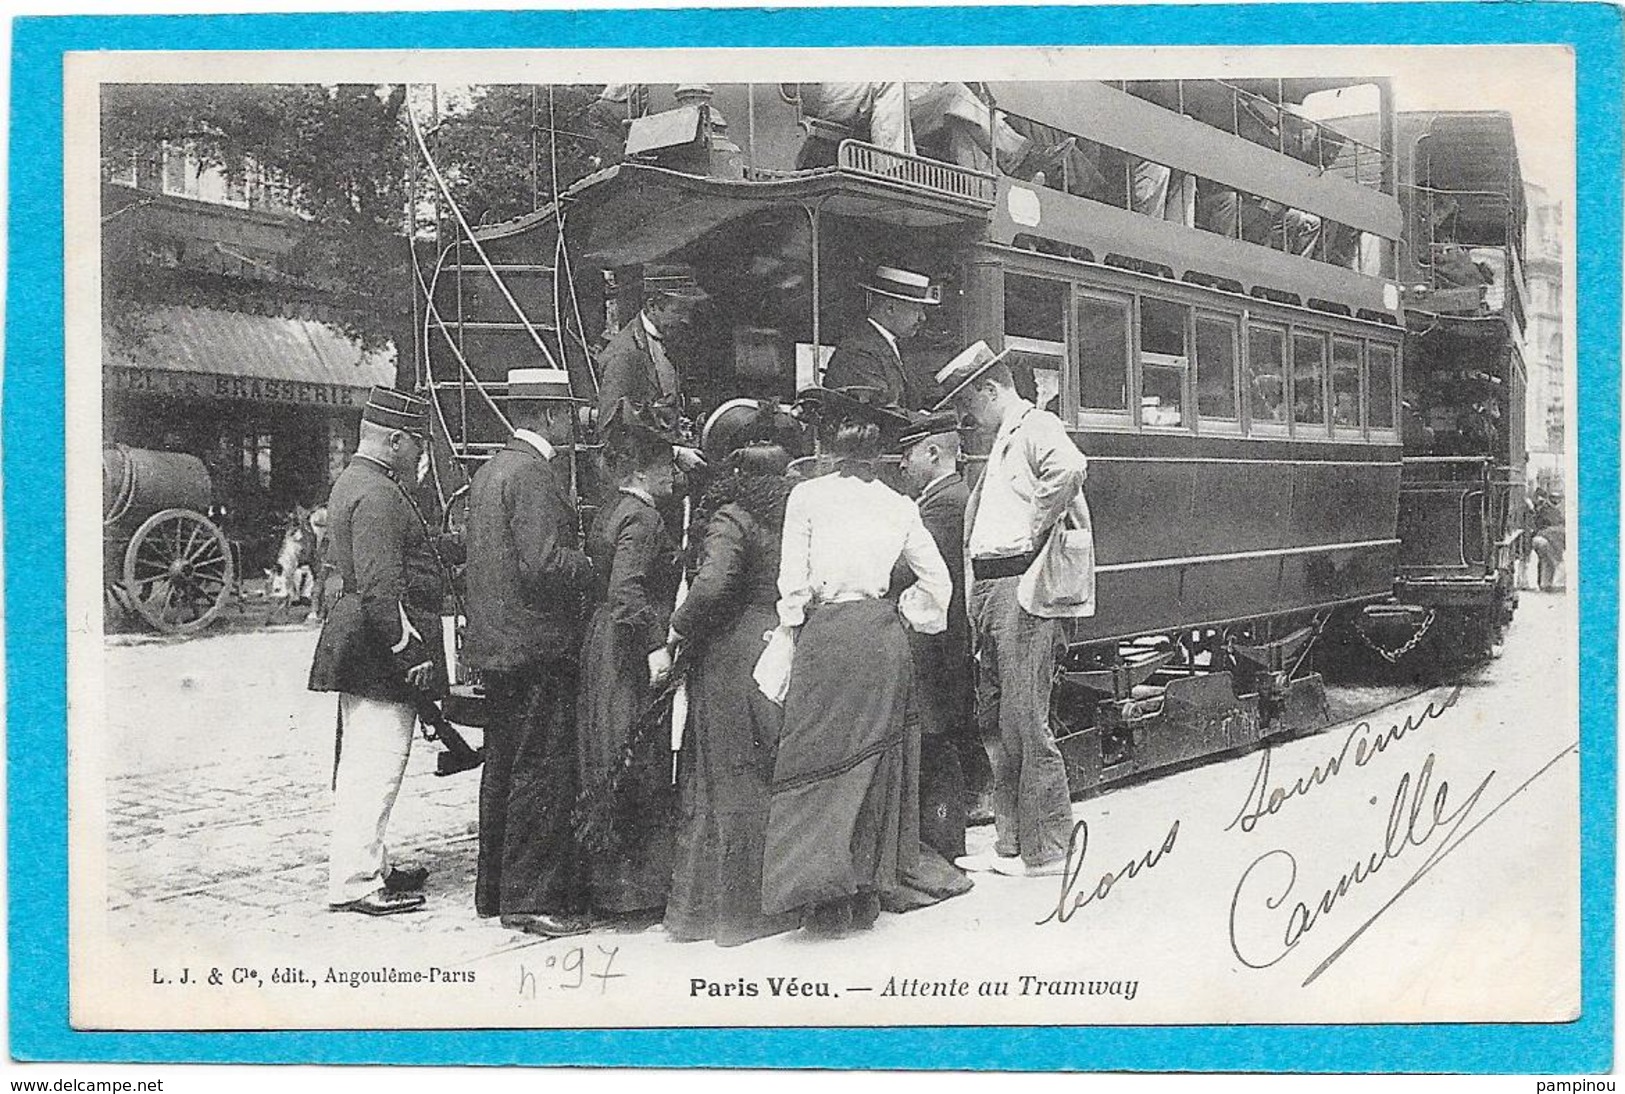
x=1030, y=552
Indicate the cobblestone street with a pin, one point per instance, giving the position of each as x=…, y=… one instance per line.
x=219, y=761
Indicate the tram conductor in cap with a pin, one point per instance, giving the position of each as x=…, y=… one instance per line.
x=380, y=649
x=527, y=579
x=943, y=670
x=870, y=355
x=1031, y=552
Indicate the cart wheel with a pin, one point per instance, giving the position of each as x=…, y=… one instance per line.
x=177, y=571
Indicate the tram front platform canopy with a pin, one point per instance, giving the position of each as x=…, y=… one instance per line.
x=633, y=214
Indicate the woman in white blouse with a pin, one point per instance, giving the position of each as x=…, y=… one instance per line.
x=837, y=834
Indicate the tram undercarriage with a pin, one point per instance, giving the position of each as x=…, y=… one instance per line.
x=1124, y=709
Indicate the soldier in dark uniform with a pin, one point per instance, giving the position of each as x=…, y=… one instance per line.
x=869, y=355
x=527, y=576
x=379, y=649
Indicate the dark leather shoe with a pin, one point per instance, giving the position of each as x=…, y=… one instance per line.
x=546, y=925
x=830, y=919
x=406, y=879
x=382, y=902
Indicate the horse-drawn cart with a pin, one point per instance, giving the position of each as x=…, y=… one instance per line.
x=162, y=557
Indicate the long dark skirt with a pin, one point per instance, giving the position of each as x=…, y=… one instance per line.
x=728, y=751
x=627, y=841
x=844, y=818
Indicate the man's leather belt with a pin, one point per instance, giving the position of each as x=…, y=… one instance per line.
x=1004, y=566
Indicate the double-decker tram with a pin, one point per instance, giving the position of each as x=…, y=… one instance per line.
x=1200, y=280
x=1462, y=410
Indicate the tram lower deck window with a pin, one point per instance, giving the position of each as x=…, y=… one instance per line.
x=1346, y=384
x=1216, y=369
x=1164, y=361
x=1035, y=335
x=1308, y=379
x=1380, y=386
x=1100, y=336
x=1266, y=374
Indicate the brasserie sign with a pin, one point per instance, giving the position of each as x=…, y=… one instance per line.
x=205, y=385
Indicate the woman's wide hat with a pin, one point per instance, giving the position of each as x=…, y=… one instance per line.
x=828, y=407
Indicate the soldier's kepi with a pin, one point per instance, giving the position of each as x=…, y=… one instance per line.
x=380, y=649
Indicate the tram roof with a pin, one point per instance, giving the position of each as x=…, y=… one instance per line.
x=635, y=213
x=1474, y=155
x=1296, y=89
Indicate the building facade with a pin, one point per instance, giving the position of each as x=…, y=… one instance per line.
x=1543, y=339
x=212, y=345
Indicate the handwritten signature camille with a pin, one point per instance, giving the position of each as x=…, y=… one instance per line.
x=1414, y=819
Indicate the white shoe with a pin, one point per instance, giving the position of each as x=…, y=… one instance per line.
x=1015, y=867
x=985, y=863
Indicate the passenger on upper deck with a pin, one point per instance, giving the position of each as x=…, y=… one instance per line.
x=958, y=126
x=869, y=355
x=607, y=117
x=951, y=122
x=882, y=107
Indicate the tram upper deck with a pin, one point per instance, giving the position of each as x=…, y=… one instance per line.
x=1209, y=307
x=1204, y=183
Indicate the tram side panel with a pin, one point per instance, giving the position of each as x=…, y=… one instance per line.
x=1192, y=539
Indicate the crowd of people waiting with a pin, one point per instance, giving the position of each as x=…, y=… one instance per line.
x=811, y=670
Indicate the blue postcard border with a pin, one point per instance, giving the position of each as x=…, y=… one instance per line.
x=33, y=477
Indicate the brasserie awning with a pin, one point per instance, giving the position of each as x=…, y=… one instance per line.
x=208, y=353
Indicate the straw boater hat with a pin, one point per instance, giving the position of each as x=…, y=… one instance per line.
x=397, y=410
x=964, y=369
x=674, y=280
x=540, y=383
x=904, y=285
x=927, y=425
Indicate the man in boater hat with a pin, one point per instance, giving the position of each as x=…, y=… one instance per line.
x=379, y=649
x=527, y=577
x=1031, y=550
x=870, y=355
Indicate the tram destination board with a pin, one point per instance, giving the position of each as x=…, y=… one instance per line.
x=1073, y=553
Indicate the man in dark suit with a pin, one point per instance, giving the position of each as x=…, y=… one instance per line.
x=635, y=364
x=950, y=751
x=379, y=649
x=526, y=579
x=870, y=355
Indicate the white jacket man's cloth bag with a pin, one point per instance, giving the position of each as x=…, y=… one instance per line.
x=1060, y=584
